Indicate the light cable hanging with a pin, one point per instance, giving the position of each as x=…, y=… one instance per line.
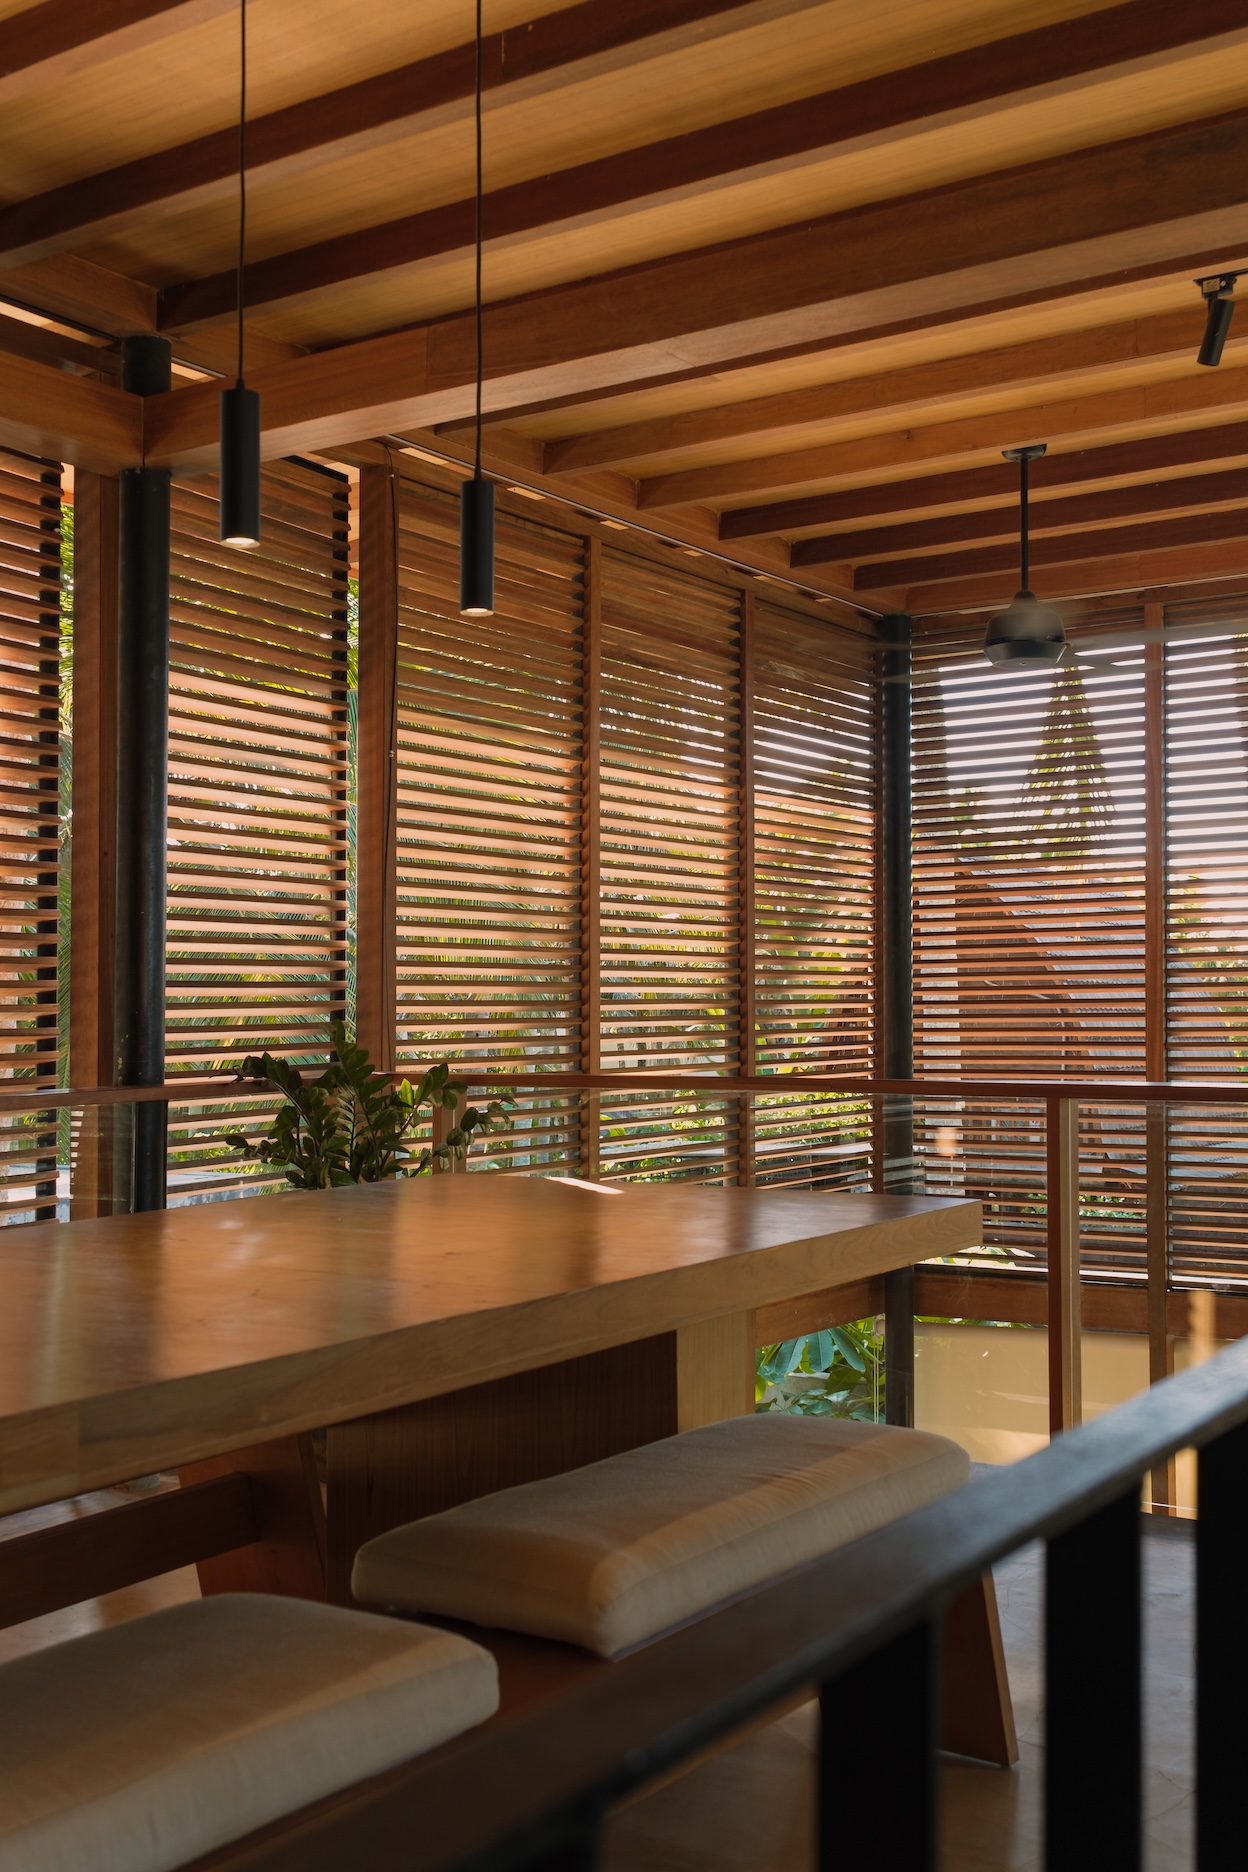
x=1027, y=632
x=240, y=407
x=476, y=496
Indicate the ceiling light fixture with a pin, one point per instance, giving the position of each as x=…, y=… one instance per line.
x=1028, y=632
x=476, y=496
x=239, y=487
x=1219, y=292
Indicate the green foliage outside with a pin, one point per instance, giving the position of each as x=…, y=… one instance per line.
x=835, y=1373
x=353, y=1124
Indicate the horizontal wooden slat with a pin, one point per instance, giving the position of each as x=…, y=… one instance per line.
x=258, y=799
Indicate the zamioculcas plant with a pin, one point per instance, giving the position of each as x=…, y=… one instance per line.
x=353, y=1124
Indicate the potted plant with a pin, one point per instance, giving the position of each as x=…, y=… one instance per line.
x=354, y=1124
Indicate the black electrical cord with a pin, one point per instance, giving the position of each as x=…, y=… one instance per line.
x=242, y=172
x=480, y=338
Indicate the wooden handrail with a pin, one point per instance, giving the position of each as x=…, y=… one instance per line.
x=490, y=1079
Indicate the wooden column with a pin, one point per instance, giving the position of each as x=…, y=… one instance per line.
x=1156, y=1062
x=895, y=1013
x=591, y=856
x=747, y=975
x=98, y=1184
x=1065, y=1296
x=377, y=761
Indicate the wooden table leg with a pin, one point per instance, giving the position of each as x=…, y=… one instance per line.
x=715, y=1370
x=403, y=1464
x=978, y=1716
x=289, y=1557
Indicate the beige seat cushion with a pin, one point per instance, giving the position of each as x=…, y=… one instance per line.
x=610, y=1556
x=140, y=1747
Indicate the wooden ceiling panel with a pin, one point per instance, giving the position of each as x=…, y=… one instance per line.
x=718, y=298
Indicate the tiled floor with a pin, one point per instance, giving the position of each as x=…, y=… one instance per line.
x=992, y=1819
x=750, y=1809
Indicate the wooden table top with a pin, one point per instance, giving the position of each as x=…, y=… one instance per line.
x=138, y=1343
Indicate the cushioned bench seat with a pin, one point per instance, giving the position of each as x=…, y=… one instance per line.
x=611, y=1556
x=141, y=1747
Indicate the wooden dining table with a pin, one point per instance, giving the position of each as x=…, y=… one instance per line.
x=317, y=1367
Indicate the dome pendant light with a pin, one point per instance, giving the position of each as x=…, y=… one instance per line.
x=1028, y=632
x=476, y=497
x=240, y=407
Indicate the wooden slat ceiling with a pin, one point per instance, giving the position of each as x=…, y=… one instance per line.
x=778, y=278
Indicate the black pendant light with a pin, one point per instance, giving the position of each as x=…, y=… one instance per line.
x=240, y=407
x=476, y=497
x=1028, y=632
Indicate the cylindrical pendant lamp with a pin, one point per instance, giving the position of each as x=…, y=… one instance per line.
x=239, y=477
x=476, y=547
x=240, y=466
x=476, y=496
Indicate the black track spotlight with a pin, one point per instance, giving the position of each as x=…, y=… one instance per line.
x=1027, y=631
x=1219, y=292
x=476, y=496
x=239, y=486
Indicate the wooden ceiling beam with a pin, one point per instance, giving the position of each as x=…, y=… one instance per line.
x=1151, y=203
x=988, y=525
x=47, y=411
x=1058, y=549
x=995, y=481
x=557, y=48
x=94, y=297
x=764, y=142
x=1021, y=366
x=1128, y=573
x=1170, y=404
x=43, y=45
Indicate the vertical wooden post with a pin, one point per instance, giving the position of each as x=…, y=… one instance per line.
x=96, y=1170
x=377, y=762
x=1065, y=1297
x=591, y=855
x=747, y=978
x=896, y=982
x=1156, y=1062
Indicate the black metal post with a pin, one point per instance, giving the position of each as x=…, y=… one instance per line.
x=142, y=779
x=878, y=1737
x=897, y=1011
x=1221, y=1713
x=1093, y=1789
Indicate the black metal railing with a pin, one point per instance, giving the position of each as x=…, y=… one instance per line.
x=863, y=1628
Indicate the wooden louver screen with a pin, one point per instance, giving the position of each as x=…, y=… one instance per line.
x=814, y=839
x=489, y=810
x=670, y=750
x=1206, y=972
x=258, y=801
x=30, y=743
x=1029, y=924
x=574, y=823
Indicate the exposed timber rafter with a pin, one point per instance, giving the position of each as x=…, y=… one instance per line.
x=995, y=481
x=990, y=525
x=1151, y=202
x=1020, y=366
x=45, y=44
x=1128, y=573
x=1172, y=403
x=906, y=102
x=557, y=48
x=1059, y=549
